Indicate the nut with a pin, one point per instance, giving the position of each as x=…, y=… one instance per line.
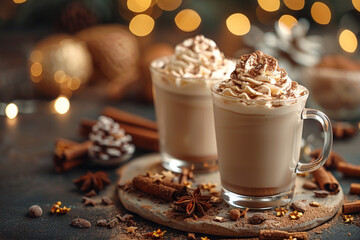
x=257, y=218
x=321, y=193
x=314, y=204
x=234, y=214
x=80, y=223
x=299, y=206
x=310, y=185
x=35, y=211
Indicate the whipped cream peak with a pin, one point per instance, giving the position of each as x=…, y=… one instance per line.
x=258, y=76
x=198, y=57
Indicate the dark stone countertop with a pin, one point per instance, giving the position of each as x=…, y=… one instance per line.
x=27, y=177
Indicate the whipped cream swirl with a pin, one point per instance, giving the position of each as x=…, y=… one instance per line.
x=198, y=57
x=258, y=76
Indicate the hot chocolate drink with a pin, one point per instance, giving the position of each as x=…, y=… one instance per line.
x=183, y=103
x=258, y=121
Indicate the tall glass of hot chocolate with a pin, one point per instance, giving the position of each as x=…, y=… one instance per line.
x=183, y=105
x=259, y=116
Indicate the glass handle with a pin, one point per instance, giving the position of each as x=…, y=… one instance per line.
x=328, y=140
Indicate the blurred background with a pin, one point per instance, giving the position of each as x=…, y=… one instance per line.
x=55, y=51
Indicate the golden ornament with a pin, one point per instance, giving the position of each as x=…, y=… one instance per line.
x=115, y=53
x=60, y=64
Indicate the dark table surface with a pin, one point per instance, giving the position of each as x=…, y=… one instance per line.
x=27, y=177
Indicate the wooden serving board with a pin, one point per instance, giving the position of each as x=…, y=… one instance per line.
x=161, y=212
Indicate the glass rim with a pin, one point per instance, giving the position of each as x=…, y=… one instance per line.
x=254, y=101
x=164, y=58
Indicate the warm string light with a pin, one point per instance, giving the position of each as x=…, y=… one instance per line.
x=61, y=105
x=348, y=41
x=19, y=1
x=238, y=24
x=187, y=20
x=138, y=5
x=356, y=4
x=11, y=111
x=36, y=71
x=141, y=25
x=321, y=13
x=286, y=23
x=169, y=5
x=269, y=5
x=295, y=4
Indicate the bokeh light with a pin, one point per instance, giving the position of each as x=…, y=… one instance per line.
x=19, y=1
x=187, y=20
x=321, y=13
x=62, y=105
x=238, y=24
x=295, y=4
x=141, y=25
x=348, y=41
x=356, y=4
x=36, y=71
x=59, y=76
x=169, y=5
x=36, y=56
x=11, y=111
x=286, y=23
x=269, y=5
x=74, y=83
x=138, y=5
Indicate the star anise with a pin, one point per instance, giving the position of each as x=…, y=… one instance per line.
x=92, y=181
x=194, y=203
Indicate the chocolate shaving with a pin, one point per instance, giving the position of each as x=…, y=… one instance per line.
x=80, y=223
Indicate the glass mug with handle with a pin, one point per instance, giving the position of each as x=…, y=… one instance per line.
x=259, y=147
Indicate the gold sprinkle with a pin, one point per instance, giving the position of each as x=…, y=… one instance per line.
x=280, y=212
x=348, y=218
x=295, y=215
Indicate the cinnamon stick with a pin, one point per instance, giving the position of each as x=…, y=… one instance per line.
x=355, y=188
x=157, y=189
x=326, y=180
x=280, y=235
x=69, y=154
x=121, y=116
x=349, y=208
x=141, y=137
x=333, y=160
x=349, y=170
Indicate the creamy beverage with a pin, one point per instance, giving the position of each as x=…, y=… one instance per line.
x=184, y=109
x=258, y=121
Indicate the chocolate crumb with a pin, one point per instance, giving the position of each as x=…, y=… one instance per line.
x=257, y=218
x=92, y=193
x=107, y=201
x=299, y=206
x=234, y=214
x=35, y=211
x=314, y=204
x=113, y=223
x=88, y=201
x=310, y=185
x=125, y=217
x=80, y=223
x=101, y=223
x=219, y=219
x=321, y=193
x=191, y=236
